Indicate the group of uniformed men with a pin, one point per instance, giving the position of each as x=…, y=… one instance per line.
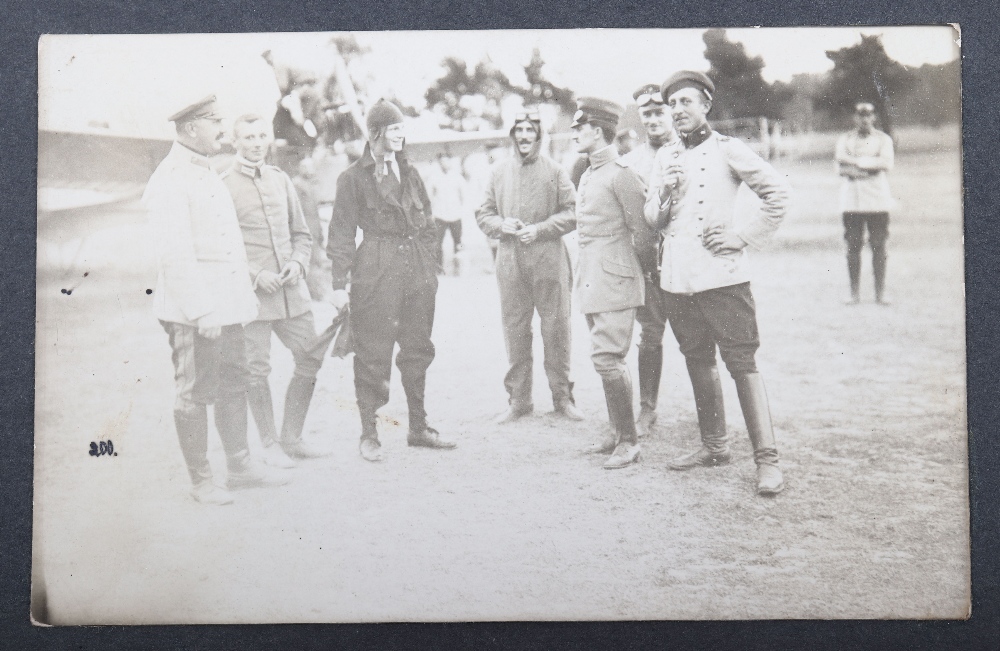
x=658, y=243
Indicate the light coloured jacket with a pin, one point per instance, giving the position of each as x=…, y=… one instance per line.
x=202, y=261
x=873, y=157
x=714, y=167
x=275, y=233
x=608, y=275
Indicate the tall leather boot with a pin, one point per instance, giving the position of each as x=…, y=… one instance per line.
x=708, y=401
x=192, y=432
x=609, y=441
x=262, y=408
x=244, y=470
x=370, y=447
x=297, y=399
x=753, y=401
x=650, y=371
x=619, y=394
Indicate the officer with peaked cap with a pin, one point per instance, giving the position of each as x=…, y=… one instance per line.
x=530, y=204
x=392, y=275
x=703, y=271
x=651, y=315
x=203, y=298
x=609, y=274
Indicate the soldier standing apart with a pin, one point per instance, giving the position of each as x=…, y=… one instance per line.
x=278, y=246
x=864, y=157
x=203, y=296
x=704, y=268
x=392, y=276
x=652, y=316
x=528, y=207
x=447, y=192
x=609, y=275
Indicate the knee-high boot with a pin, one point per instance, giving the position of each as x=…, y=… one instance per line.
x=757, y=413
x=610, y=439
x=262, y=408
x=650, y=372
x=708, y=401
x=192, y=432
x=297, y=400
x=619, y=395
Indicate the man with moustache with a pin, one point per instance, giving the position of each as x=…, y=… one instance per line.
x=278, y=246
x=704, y=274
x=651, y=315
x=529, y=206
x=392, y=274
x=203, y=297
x=609, y=275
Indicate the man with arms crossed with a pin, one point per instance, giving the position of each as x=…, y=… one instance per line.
x=278, y=246
x=529, y=206
x=609, y=275
x=652, y=315
x=203, y=296
x=704, y=274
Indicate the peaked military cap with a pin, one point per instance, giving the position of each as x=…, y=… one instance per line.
x=203, y=108
x=647, y=93
x=594, y=109
x=687, y=79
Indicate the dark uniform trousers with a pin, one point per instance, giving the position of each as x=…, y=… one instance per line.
x=877, y=224
x=209, y=371
x=724, y=316
x=652, y=318
x=392, y=301
x=535, y=276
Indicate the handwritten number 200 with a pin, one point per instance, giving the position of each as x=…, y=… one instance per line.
x=102, y=448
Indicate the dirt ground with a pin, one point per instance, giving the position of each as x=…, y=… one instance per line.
x=868, y=404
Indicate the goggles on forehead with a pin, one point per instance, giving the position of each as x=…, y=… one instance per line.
x=864, y=109
x=529, y=116
x=646, y=98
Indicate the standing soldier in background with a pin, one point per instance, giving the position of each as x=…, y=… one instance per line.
x=318, y=278
x=529, y=207
x=864, y=157
x=692, y=193
x=652, y=315
x=393, y=276
x=278, y=246
x=447, y=192
x=609, y=274
x=203, y=298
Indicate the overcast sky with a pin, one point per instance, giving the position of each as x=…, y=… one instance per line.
x=131, y=82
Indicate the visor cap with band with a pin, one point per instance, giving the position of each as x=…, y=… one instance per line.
x=204, y=108
x=687, y=79
x=648, y=94
x=594, y=109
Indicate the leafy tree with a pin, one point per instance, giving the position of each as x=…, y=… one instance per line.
x=542, y=91
x=740, y=90
x=469, y=102
x=865, y=73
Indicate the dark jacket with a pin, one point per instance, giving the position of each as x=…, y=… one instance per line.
x=391, y=218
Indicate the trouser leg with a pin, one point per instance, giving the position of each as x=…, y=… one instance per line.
x=230, y=409
x=854, y=235
x=416, y=351
x=611, y=337
x=551, y=295
x=652, y=320
x=878, y=233
x=375, y=314
x=517, y=309
x=298, y=334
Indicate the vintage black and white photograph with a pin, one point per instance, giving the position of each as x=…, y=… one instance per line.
x=458, y=326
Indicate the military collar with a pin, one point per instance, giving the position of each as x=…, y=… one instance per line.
x=603, y=156
x=186, y=153
x=697, y=137
x=244, y=166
